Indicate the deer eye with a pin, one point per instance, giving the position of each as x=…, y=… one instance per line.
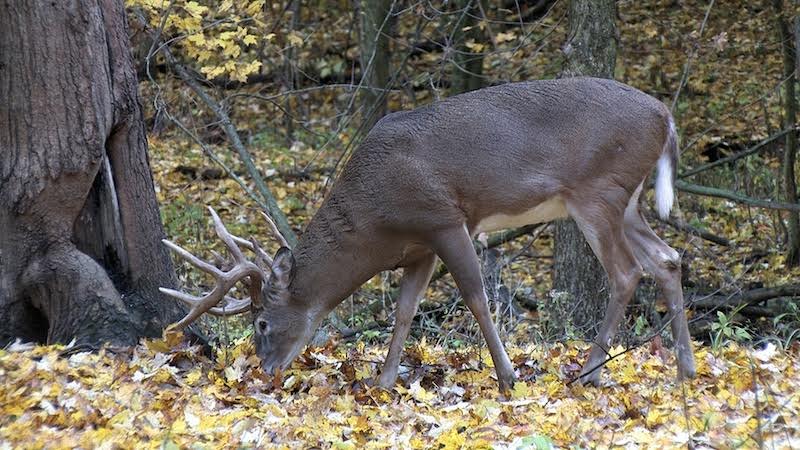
x=262, y=325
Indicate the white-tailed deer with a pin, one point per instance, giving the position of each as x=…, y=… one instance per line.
x=424, y=182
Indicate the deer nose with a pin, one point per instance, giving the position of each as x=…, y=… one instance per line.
x=269, y=367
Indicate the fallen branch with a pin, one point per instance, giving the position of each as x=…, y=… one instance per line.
x=748, y=298
x=351, y=332
x=683, y=226
x=728, y=159
x=738, y=198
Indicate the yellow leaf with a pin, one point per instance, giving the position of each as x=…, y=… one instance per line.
x=231, y=49
x=295, y=39
x=452, y=439
x=250, y=40
x=521, y=390
x=505, y=37
x=193, y=377
x=195, y=9
x=212, y=71
x=255, y=8
x=419, y=393
x=475, y=46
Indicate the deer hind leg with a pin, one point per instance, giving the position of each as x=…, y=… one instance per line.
x=415, y=279
x=664, y=263
x=455, y=249
x=602, y=225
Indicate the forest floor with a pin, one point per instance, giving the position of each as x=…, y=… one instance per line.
x=164, y=394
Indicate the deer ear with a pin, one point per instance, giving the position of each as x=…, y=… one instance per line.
x=282, y=269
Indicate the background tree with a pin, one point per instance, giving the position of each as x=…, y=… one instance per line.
x=468, y=38
x=579, y=279
x=789, y=121
x=289, y=70
x=377, y=21
x=80, y=251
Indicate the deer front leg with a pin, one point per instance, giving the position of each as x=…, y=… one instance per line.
x=412, y=285
x=455, y=249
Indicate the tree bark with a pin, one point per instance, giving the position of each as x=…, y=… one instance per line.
x=290, y=73
x=468, y=64
x=789, y=121
x=80, y=251
x=377, y=22
x=579, y=278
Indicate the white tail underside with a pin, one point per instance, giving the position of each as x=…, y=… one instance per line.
x=664, y=192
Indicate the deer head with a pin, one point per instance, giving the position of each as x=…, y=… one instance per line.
x=277, y=321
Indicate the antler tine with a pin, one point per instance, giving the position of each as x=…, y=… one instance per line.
x=254, y=246
x=206, y=303
x=194, y=260
x=197, y=305
x=261, y=255
x=227, y=237
x=242, y=241
x=231, y=307
x=220, y=261
x=275, y=231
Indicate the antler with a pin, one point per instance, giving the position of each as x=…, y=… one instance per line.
x=225, y=277
x=275, y=231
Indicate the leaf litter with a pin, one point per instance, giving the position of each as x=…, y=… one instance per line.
x=165, y=393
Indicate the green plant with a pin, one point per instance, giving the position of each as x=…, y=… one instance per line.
x=787, y=324
x=641, y=326
x=182, y=218
x=725, y=330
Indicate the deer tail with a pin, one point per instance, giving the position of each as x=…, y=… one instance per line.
x=667, y=170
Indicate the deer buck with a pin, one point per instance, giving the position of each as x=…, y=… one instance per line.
x=424, y=182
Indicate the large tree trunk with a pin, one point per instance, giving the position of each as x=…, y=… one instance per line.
x=80, y=255
x=591, y=50
x=377, y=22
x=789, y=120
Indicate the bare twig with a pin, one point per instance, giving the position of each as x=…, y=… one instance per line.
x=728, y=159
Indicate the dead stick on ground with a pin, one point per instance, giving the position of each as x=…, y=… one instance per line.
x=750, y=297
x=733, y=196
x=683, y=226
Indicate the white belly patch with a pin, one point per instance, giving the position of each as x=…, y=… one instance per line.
x=551, y=209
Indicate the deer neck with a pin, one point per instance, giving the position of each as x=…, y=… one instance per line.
x=332, y=260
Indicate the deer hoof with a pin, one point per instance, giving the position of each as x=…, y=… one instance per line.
x=387, y=382
x=686, y=373
x=506, y=383
x=592, y=378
